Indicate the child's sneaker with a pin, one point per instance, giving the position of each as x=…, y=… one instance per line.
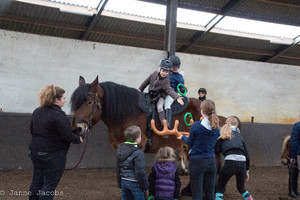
x=247, y=196
x=219, y=196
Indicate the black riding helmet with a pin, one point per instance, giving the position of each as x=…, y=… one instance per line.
x=165, y=64
x=202, y=90
x=175, y=61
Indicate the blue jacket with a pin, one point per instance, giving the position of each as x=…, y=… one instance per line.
x=295, y=141
x=175, y=79
x=201, y=141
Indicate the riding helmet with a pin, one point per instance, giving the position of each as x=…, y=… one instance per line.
x=165, y=64
x=175, y=60
x=202, y=90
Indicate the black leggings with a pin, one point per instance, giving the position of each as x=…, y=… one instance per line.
x=237, y=168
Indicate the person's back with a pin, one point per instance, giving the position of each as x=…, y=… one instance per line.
x=175, y=77
x=202, y=163
x=131, y=175
x=231, y=144
x=164, y=178
x=51, y=137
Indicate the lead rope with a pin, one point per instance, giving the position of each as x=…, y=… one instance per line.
x=81, y=157
x=87, y=133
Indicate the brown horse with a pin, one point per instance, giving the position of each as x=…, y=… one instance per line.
x=117, y=106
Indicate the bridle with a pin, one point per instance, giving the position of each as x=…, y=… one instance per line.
x=94, y=97
x=91, y=97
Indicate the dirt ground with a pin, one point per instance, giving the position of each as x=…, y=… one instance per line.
x=266, y=183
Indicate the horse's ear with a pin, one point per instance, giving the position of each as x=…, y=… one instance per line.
x=81, y=80
x=95, y=83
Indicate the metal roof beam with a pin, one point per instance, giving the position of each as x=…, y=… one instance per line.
x=213, y=22
x=170, y=27
x=279, y=51
x=297, y=39
x=43, y=23
x=291, y=3
x=210, y=25
x=94, y=19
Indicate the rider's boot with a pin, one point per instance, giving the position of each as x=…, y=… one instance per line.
x=169, y=118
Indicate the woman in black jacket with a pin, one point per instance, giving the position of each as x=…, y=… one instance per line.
x=51, y=137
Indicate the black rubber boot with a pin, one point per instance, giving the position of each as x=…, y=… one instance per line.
x=295, y=181
x=291, y=180
x=169, y=118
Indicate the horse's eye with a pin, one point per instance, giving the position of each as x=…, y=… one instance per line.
x=90, y=102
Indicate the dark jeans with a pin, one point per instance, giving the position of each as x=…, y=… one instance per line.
x=48, y=168
x=131, y=190
x=230, y=168
x=202, y=177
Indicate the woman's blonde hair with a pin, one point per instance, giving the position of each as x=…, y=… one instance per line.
x=49, y=94
x=208, y=107
x=165, y=154
x=226, y=132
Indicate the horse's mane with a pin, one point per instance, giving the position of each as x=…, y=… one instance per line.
x=119, y=102
x=79, y=96
x=285, y=141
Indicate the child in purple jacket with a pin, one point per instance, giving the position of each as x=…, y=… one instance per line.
x=164, y=179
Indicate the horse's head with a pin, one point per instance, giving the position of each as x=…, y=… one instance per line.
x=86, y=102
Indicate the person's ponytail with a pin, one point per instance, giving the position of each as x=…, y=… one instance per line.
x=214, y=121
x=49, y=94
x=225, y=132
x=208, y=107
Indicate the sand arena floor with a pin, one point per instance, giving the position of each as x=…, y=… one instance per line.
x=266, y=183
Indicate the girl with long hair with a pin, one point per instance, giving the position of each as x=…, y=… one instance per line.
x=202, y=140
x=231, y=143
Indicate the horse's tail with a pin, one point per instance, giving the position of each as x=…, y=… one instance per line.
x=285, y=150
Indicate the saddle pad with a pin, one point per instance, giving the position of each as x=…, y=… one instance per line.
x=177, y=108
x=144, y=104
